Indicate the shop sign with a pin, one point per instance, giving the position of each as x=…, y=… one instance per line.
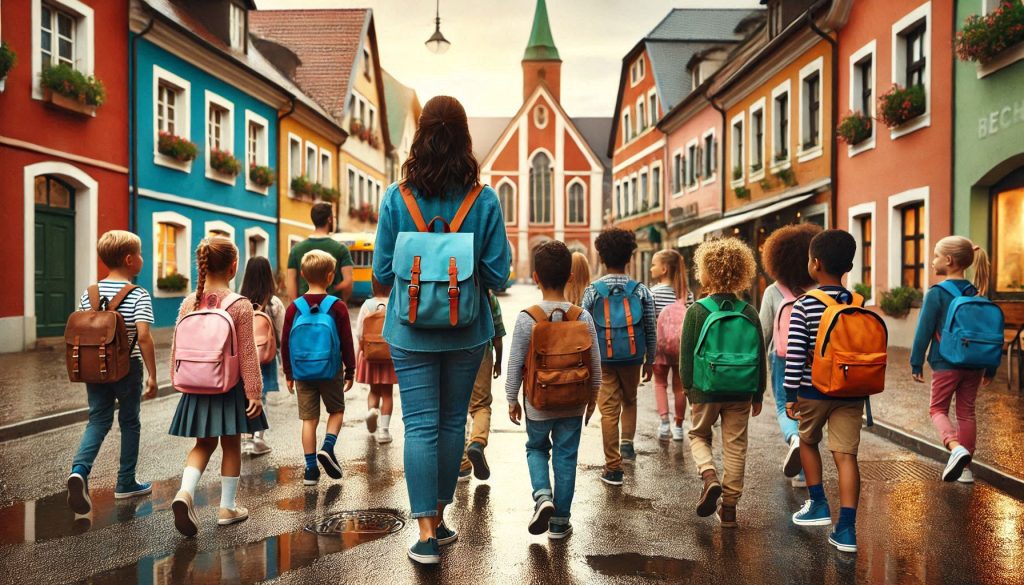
x=1001, y=119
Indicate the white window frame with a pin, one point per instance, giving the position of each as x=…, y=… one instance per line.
x=183, y=119
x=707, y=179
x=84, y=38
x=641, y=115
x=634, y=188
x=626, y=127
x=853, y=225
x=293, y=169
x=637, y=71
x=262, y=150
x=898, y=65
x=259, y=232
x=537, y=111
x=371, y=117
x=182, y=250
x=678, y=179
x=227, y=132
x=660, y=183
x=509, y=219
x=868, y=51
x=652, y=99
x=586, y=210
x=313, y=175
x=735, y=152
x=351, y=185
x=758, y=106
x=237, y=41
x=325, y=172
x=643, y=195
x=895, y=244
x=786, y=87
x=802, y=154
x=814, y=209
x=691, y=165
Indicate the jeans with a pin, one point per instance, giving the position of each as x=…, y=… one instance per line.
x=435, y=388
x=786, y=424
x=561, y=435
x=128, y=393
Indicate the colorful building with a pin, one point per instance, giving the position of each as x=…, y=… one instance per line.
x=64, y=186
x=650, y=84
x=404, y=109
x=543, y=164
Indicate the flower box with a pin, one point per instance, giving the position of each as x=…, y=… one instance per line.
x=756, y=167
x=355, y=127
x=176, y=147
x=224, y=163
x=786, y=175
x=854, y=128
x=982, y=38
x=897, y=302
x=900, y=105
x=302, y=186
x=261, y=176
x=742, y=193
x=65, y=103
x=69, y=89
x=172, y=283
x=765, y=183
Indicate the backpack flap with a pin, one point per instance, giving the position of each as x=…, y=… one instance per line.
x=618, y=317
x=850, y=352
x=557, y=369
x=727, y=353
x=436, y=284
x=91, y=328
x=972, y=336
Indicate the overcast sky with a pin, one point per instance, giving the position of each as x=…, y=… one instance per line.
x=482, y=68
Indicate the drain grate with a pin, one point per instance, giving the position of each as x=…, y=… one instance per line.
x=898, y=470
x=364, y=522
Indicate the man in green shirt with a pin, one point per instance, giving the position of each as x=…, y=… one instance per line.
x=322, y=215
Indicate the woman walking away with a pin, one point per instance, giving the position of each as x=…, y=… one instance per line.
x=579, y=280
x=220, y=389
x=439, y=319
x=258, y=286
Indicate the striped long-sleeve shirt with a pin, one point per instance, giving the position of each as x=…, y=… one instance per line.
x=664, y=295
x=137, y=307
x=803, y=332
x=590, y=297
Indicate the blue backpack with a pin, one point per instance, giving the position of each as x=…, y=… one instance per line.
x=313, y=344
x=619, y=320
x=435, y=282
x=973, y=334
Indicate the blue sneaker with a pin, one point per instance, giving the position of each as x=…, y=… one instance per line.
x=425, y=552
x=627, y=451
x=330, y=462
x=130, y=491
x=814, y=513
x=612, y=477
x=312, y=476
x=559, y=531
x=844, y=538
x=445, y=535
x=78, y=493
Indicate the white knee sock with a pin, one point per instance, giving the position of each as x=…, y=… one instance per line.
x=385, y=420
x=190, y=479
x=228, y=491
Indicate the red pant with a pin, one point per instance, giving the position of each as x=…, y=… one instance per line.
x=964, y=384
x=661, y=376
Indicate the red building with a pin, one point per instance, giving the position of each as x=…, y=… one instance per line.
x=64, y=163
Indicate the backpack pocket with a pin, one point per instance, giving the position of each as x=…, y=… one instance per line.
x=562, y=388
x=728, y=372
x=972, y=348
x=200, y=371
x=857, y=374
x=313, y=366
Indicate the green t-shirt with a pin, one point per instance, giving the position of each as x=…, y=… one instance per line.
x=327, y=244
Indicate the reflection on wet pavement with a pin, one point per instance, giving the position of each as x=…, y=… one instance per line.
x=638, y=565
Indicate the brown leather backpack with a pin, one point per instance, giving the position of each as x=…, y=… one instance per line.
x=98, y=350
x=375, y=349
x=557, y=370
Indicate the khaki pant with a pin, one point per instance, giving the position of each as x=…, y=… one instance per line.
x=735, y=416
x=480, y=406
x=617, y=401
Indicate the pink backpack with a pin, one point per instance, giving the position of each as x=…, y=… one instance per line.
x=206, y=349
x=780, y=332
x=266, y=336
x=670, y=329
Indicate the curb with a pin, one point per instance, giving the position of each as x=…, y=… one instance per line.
x=50, y=422
x=992, y=474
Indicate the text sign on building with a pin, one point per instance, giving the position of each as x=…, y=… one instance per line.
x=1001, y=119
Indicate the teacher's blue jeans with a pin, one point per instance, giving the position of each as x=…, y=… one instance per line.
x=559, y=440
x=786, y=424
x=435, y=388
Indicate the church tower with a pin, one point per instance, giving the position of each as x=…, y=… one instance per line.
x=541, y=63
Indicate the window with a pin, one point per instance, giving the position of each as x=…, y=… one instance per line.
x=294, y=157
x=171, y=114
x=237, y=25
x=352, y=189
x=219, y=133
x=57, y=37
x=1008, y=240
x=912, y=250
x=577, y=204
x=216, y=127
x=757, y=140
x=634, y=204
x=864, y=80
x=677, y=173
x=710, y=153
x=913, y=43
x=644, y=203
x=325, y=168
x=774, y=18
x=691, y=167
x=371, y=118
x=366, y=64
x=737, y=149
x=255, y=140
x=540, y=116
x=506, y=197
x=865, y=249
x=626, y=127
x=257, y=243
x=640, y=64
x=166, y=107
x=362, y=191
x=656, y=186
x=166, y=249
x=812, y=104
x=311, y=173
x=653, y=108
x=171, y=250
x=780, y=139
x=618, y=200
x=641, y=119
x=540, y=189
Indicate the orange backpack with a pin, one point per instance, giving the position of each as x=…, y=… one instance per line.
x=372, y=343
x=850, y=349
x=557, y=370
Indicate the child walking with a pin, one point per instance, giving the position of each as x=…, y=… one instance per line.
x=721, y=323
x=668, y=272
x=553, y=432
x=379, y=375
x=630, y=339
x=784, y=257
x=316, y=347
x=830, y=258
x=952, y=256
x=258, y=286
x=121, y=253
x=473, y=459
x=579, y=280
x=215, y=417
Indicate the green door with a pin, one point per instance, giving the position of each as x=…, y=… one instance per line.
x=55, y=255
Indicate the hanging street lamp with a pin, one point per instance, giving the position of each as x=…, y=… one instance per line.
x=437, y=43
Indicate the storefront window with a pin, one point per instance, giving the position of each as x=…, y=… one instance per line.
x=1008, y=263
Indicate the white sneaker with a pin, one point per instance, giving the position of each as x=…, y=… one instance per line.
x=664, y=431
x=247, y=446
x=677, y=433
x=966, y=476
x=383, y=436
x=371, y=420
x=258, y=446
x=959, y=459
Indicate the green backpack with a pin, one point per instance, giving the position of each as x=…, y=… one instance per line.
x=727, y=354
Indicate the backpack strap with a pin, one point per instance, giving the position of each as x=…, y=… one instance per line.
x=94, y=297
x=460, y=215
x=950, y=288
x=115, y=302
x=574, y=313
x=536, y=313
x=601, y=288
x=786, y=293
x=630, y=287
x=630, y=330
x=229, y=300
x=327, y=303
x=709, y=304
x=302, y=305
x=467, y=204
x=412, y=206
x=822, y=296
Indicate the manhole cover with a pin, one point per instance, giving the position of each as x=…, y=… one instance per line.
x=897, y=470
x=368, y=522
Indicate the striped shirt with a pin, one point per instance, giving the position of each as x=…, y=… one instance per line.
x=135, y=307
x=590, y=297
x=803, y=332
x=664, y=295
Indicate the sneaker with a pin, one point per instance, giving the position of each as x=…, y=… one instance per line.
x=559, y=531
x=445, y=535
x=247, y=445
x=184, y=514
x=709, y=495
x=664, y=431
x=677, y=433
x=425, y=552
x=627, y=451
x=799, y=481
x=844, y=538
x=465, y=474
x=542, y=513
x=330, y=462
x=383, y=436
x=78, y=494
x=475, y=453
x=311, y=476
x=612, y=477
x=814, y=513
x=136, y=489
x=726, y=516
x=258, y=446
x=959, y=459
x=371, y=420
x=967, y=476
x=227, y=516
x=791, y=464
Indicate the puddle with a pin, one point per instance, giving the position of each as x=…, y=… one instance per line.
x=259, y=561
x=638, y=565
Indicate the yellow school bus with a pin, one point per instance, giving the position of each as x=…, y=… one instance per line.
x=360, y=245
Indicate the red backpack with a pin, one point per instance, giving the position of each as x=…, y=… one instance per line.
x=670, y=329
x=265, y=334
x=780, y=332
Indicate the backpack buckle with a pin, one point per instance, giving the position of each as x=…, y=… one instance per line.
x=414, y=291
x=453, y=292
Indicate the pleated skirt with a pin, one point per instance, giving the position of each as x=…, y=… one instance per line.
x=374, y=373
x=215, y=415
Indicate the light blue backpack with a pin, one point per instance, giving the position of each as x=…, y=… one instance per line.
x=435, y=272
x=313, y=343
x=972, y=336
x=619, y=320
